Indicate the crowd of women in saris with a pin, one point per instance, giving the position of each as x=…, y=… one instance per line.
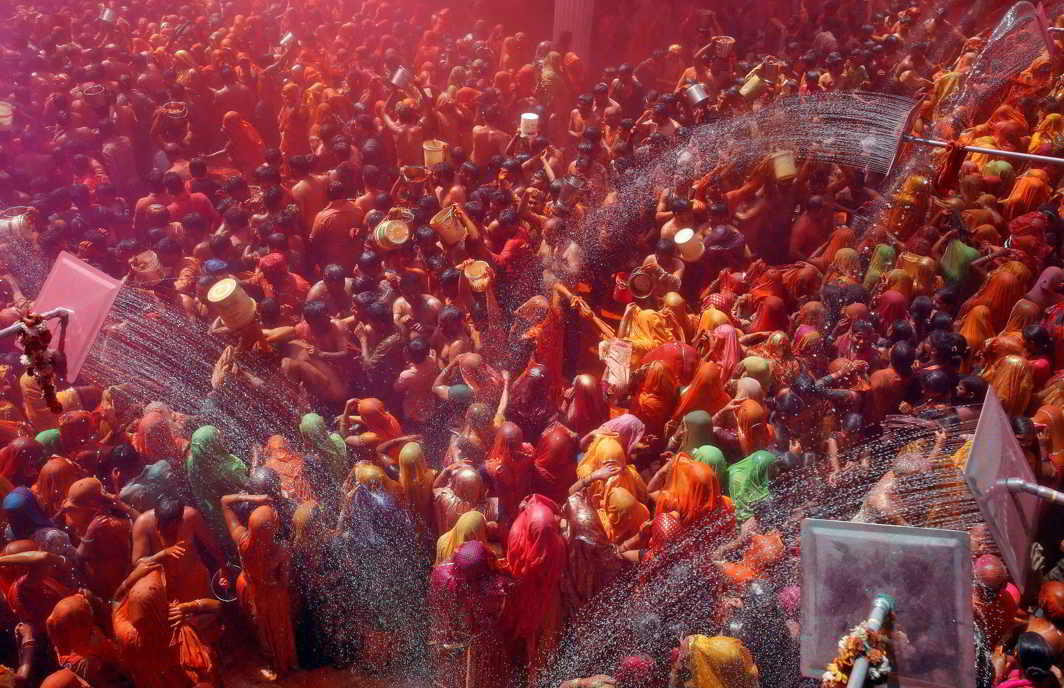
x=548, y=390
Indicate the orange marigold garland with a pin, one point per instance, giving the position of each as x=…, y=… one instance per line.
x=859, y=641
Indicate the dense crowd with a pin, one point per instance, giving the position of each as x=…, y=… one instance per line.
x=515, y=384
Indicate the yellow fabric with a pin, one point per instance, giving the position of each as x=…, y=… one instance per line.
x=622, y=515
x=649, y=329
x=606, y=449
x=470, y=526
x=721, y=662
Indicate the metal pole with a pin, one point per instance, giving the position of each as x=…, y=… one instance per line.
x=1040, y=491
x=881, y=607
x=993, y=152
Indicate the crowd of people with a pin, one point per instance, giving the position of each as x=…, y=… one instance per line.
x=516, y=384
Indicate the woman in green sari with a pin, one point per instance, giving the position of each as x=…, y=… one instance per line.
x=956, y=263
x=328, y=445
x=714, y=458
x=213, y=473
x=749, y=481
x=882, y=262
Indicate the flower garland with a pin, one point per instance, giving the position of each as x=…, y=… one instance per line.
x=859, y=641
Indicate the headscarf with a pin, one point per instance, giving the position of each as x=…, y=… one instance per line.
x=622, y=515
x=648, y=329
x=415, y=481
x=891, y=306
x=1013, y=381
x=329, y=445
x=246, y=147
x=721, y=662
x=749, y=482
x=840, y=238
x=156, y=438
x=1051, y=127
x=883, y=258
x=900, y=281
x=976, y=327
x=470, y=526
x=714, y=458
x=77, y=430
x=15, y=454
x=212, y=473
x=555, y=462
x=758, y=368
x=956, y=261
x=697, y=431
x=845, y=267
x=705, y=393
x=53, y=482
x=627, y=429
x=23, y=514
x=771, y=315
x=655, y=399
x=692, y=491
x=606, y=450
x=749, y=388
x=1043, y=293
x=586, y=405
x=1053, y=418
x=1024, y=313
x=73, y=631
x=725, y=349
x=377, y=419
x=999, y=294
x=754, y=431
x=812, y=313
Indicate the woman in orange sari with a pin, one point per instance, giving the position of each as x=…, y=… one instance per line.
x=976, y=328
x=622, y=515
x=245, y=147
x=607, y=452
x=415, y=481
x=262, y=586
x=1024, y=313
x=53, y=482
x=293, y=122
x=705, y=393
x=751, y=420
x=692, y=491
x=845, y=268
x=1030, y=191
x=999, y=293
x=1013, y=382
x=841, y=238
x=81, y=645
x=1052, y=419
x=764, y=552
x=655, y=396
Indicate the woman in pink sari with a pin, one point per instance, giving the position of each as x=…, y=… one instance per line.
x=1033, y=660
x=725, y=349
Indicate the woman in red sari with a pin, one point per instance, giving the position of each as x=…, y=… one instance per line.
x=555, y=462
x=725, y=349
x=535, y=557
x=705, y=393
x=512, y=471
x=584, y=407
x=262, y=586
x=770, y=315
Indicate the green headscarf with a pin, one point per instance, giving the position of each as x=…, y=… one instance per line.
x=329, y=445
x=883, y=258
x=1003, y=170
x=699, y=431
x=714, y=458
x=213, y=473
x=758, y=368
x=50, y=440
x=748, y=482
x=956, y=262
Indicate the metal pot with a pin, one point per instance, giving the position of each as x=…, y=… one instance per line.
x=402, y=78
x=696, y=95
x=108, y=15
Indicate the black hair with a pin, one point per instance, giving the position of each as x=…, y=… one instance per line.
x=1035, y=656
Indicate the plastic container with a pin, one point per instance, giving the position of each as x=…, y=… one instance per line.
x=391, y=234
x=689, y=245
x=96, y=95
x=233, y=305
x=19, y=222
x=696, y=95
x=7, y=116
x=435, y=152
x=529, y=125
x=402, y=78
x=753, y=87
x=108, y=15
x=478, y=273
x=452, y=225
x=724, y=45
x=784, y=166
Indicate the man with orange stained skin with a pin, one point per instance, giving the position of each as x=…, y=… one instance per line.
x=263, y=584
x=102, y=523
x=293, y=122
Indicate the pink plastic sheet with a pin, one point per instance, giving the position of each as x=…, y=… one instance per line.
x=928, y=572
x=74, y=284
x=1011, y=516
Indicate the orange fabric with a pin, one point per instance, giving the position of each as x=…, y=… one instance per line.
x=1029, y=192
x=842, y=237
x=262, y=592
x=53, y=482
x=763, y=552
x=1052, y=417
x=246, y=148
x=622, y=515
x=976, y=327
x=606, y=450
x=1000, y=293
x=654, y=400
x=705, y=393
x=142, y=634
x=693, y=491
x=79, y=642
x=1013, y=381
x=754, y=431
